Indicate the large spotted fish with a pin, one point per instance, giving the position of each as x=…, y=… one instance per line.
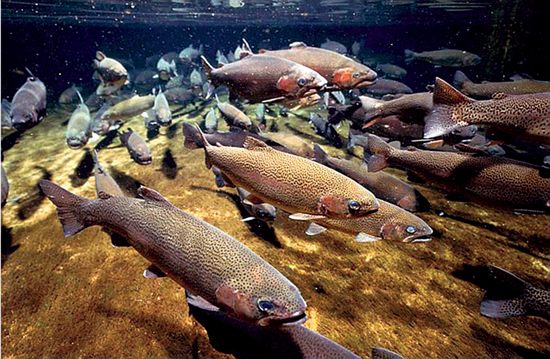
x=521, y=115
x=198, y=256
x=298, y=185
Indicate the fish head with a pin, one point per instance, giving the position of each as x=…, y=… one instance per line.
x=264, y=212
x=406, y=228
x=22, y=118
x=301, y=81
x=76, y=139
x=163, y=116
x=142, y=155
x=336, y=206
x=356, y=76
x=471, y=59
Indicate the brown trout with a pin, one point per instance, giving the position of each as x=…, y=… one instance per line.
x=492, y=180
x=521, y=115
x=196, y=255
x=298, y=185
x=519, y=86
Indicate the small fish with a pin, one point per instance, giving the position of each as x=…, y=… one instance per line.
x=445, y=57
x=290, y=143
x=334, y=46
x=233, y=116
x=109, y=69
x=355, y=48
x=280, y=178
x=189, y=54
x=128, y=108
x=211, y=121
x=180, y=95
x=146, y=79
x=525, y=116
x=99, y=126
x=5, y=186
x=69, y=96
x=385, y=86
x=261, y=211
x=28, y=106
x=161, y=108
x=137, y=147
x=221, y=58
x=325, y=129
x=167, y=66
x=79, y=128
x=195, y=78
x=196, y=255
x=514, y=297
x=104, y=183
x=520, y=86
x=392, y=71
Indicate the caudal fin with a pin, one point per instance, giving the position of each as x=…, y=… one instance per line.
x=409, y=56
x=507, y=299
x=376, y=153
x=319, y=154
x=192, y=137
x=460, y=79
x=67, y=205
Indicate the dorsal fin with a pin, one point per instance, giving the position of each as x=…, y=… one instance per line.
x=150, y=195
x=252, y=143
x=297, y=45
x=99, y=55
x=445, y=94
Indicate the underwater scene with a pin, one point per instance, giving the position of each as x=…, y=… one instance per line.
x=315, y=179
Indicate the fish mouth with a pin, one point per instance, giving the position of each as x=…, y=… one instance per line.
x=145, y=162
x=419, y=238
x=75, y=145
x=295, y=318
x=365, y=83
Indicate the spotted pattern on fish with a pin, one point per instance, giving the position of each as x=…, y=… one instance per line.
x=313, y=345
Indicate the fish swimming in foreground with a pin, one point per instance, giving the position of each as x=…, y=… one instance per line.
x=211, y=121
x=104, y=183
x=334, y=46
x=196, y=255
x=525, y=116
x=445, y=57
x=131, y=107
x=519, y=86
x=386, y=86
x=259, y=78
x=325, y=129
x=28, y=106
x=341, y=72
x=260, y=211
x=233, y=116
x=392, y=71
x=382, y=185
x=246, y=340
x=491, y=180
x=137, y=147
x=5, y=186
x=297, y=185
x=514, y=297
x=162, y=111
x=79, y=128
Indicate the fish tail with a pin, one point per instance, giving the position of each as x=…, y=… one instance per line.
x=376, y=153
x=67, y=204
x=319, y=154
x=460, y=79
x=192, y=137
x=508, y=299
x=409, y=56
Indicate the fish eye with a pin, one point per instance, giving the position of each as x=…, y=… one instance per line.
x=265, y=305
x=410, y=229
x=354, y=206
x=356, y=75
x=301, y=81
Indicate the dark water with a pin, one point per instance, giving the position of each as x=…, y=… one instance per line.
x=80, y=297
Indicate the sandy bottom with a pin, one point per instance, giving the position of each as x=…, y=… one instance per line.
x=80, y=297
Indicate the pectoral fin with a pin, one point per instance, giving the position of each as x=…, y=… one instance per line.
x=305, y=217
x=364, y=238
x=200, y=302
x=153, y=272
x=315, y=229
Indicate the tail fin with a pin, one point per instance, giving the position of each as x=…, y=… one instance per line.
x=460, y=79
x=192, y=138
x=67, y=205
x=409, y=56
x=376, y=153
x=381, y=353
x=207, y=67
x=319, y=154
x=508, y=304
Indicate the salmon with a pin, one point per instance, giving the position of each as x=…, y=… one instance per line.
x=196, y=255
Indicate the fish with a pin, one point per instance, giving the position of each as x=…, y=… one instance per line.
x=519, y=86
x=355, y=48
x=221, y=58
x=99, y=126
x=28, y=106
x=280, y=178
x=5, y=186
x=198, y=256
x=444, y=57
x=167, y=66
x=161, y=108
x=137, y=147
x=512, y=296
x=259, y=78
x=189, y=54
x=233, y=116
x=341, y=72
x=128, y=108
x=334, y=46
x=6, y=119
x=246, y=340
x=180, y=95
x=110, y=70
x=211, y=121
x=104, y=183
x=495, y=181
x=395, y=129
x=325, y=129
x=392, y=71
x=79, y=128
x=290, y=143
x=525, y=116
x=257, y=211
x=177, y=81
x=409, y=107
x=69, y=96
x=385, y=86
x=195, y=78
x=383, y=185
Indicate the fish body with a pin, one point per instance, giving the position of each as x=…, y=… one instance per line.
x=383, y=185
x=334, y=46
x=492, y=180
x=137, y=147
x=325, y=129
x=180, y=95
x=189, y=54
x=392, y=71
x=128, y=108
x=289, y=143
x=233, y=116
x=355, y=48
x=340, y=71
x=445, y=57
x=521, y=115
x=98, y=125
x=221, y=58
x=5, y=186
x=109, y=70
x=79, y=128
x=412, y=107
x=69, y=96
x=260, y=78
x=161, y=108
x=386, y=86
x=260, y=211
x=167, y=66
x=104, y=183
x=486, y=89
x=280, y=178
x=195, y=254
x=211, y=121
x=28, y=106
x=195, y=78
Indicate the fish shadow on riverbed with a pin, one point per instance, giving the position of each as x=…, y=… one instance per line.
x=169, y=166
x=83, y=170
x=172, y=131
x=127, y=183
x=7, y=244
x=29, y=204
x=107, y=140
x=10, y=140
x=259, y=228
